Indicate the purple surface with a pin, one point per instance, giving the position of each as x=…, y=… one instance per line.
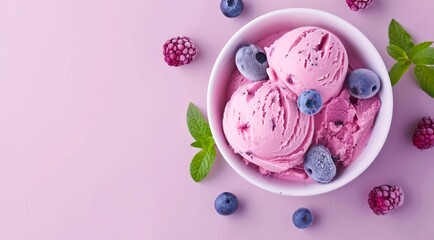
x=94, y=143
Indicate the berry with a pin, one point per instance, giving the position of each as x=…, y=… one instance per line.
x=302, y=218
x=309, y=102
x=319, y=164
x=252, y=62
x=385, y=198
x=423, y=136
x=355, y=5
x=231, y=8
x=226, y=203
x=363, y=83
x=179, y=51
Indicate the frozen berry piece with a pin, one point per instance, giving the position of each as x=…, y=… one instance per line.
x=231, y=8
x=309, y=102
x=226, y=203
x=356, y=5
x=179, y=51
x=385, y=198
x=363, y=83
x=302, y=218
x=423, y=136
x=319, y=164
x=251, y=62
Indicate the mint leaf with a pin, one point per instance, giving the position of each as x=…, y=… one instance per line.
x=201, y=164
x=398, y=70
x=399, y=36
x=425, y=57
x=425, y=77
x=197, y=144
x=205, y=143
x=197, y=124
x=396, y=52
x=402, y=48
x=201, y=132
x=419, y=47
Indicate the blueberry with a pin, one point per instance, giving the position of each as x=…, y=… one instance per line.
x=309, y=102
x=226, y=203
x=231, y=8
x=363, y=83
x=319, y=164
x=302, y=218
x=252, y=62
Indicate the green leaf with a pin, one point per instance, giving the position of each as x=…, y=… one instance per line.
x=398, y=70
x=201, y=132
x=197, y=124
x=399, y=36
x=396, y=52
x=425, y=78
x=197, y=144
x=424, y=57
x=206, y=143
x=419, y=47
x=201, y=164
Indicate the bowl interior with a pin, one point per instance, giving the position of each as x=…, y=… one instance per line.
x=361, y=53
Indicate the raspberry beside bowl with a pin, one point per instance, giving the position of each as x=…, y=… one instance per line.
x=360, y=51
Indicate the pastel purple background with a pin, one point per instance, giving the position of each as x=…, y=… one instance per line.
x=94, y=143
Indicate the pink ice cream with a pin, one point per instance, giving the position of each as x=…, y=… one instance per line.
x=345, y=124
x=263, y=124
x=309, y=58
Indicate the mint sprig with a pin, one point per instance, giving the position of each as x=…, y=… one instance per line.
x=405, y=52
x=199, y=129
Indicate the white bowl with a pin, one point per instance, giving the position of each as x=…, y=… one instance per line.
x=361, y=52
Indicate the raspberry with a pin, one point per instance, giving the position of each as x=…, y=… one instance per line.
x=385, y=198
x=423, y=136
x=179, y=51
x=355, y=5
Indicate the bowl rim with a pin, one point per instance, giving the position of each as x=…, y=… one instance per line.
x=220, y=139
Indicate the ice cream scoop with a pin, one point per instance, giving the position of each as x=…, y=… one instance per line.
x=345, y=125
x=262, y=123
x=309, y=58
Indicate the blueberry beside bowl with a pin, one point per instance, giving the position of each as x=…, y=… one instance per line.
x=361, y=53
